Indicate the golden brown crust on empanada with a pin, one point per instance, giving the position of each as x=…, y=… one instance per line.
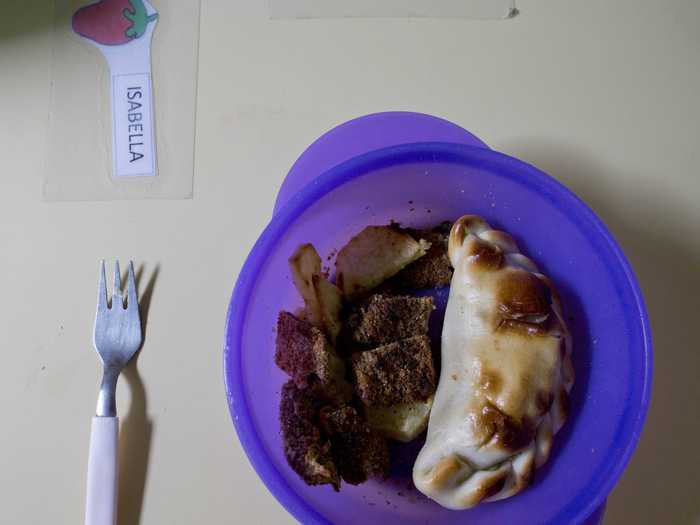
x=506, y=373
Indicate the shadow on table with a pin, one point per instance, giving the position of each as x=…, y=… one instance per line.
x=136, y=428
x=25, y=18
x=660, y=484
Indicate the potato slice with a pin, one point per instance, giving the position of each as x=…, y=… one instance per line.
x=374, y=255
x=402, y=422
x=322, y=298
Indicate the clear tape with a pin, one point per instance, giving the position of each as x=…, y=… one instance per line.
x=477, y=9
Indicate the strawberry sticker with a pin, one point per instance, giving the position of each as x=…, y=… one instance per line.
x=113, y=22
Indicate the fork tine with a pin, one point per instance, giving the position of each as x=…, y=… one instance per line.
x=132, y=293
x=102, y=290
x=117, y=297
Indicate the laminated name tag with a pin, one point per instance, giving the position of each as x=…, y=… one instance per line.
x=133, y=147
x=118, y=67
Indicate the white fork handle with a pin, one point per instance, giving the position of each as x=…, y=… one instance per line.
x=101, y=502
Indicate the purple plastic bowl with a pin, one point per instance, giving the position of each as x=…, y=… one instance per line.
x=421, y=184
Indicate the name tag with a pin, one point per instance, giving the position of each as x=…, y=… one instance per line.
x=133, y=132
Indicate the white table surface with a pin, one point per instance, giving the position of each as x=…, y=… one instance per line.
x=602, y=95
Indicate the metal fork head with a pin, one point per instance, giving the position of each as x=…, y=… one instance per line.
x=117, y=335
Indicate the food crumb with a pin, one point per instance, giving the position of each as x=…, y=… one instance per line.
x=454, y=376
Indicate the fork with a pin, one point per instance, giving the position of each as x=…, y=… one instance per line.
x=117, y=337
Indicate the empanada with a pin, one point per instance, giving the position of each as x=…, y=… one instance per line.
x=506, y=373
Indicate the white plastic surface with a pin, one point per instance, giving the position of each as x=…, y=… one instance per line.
x=101, y=501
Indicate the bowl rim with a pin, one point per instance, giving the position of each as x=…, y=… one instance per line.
x=358, y=167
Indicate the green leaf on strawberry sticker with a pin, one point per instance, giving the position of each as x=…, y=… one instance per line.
x=139, y=18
